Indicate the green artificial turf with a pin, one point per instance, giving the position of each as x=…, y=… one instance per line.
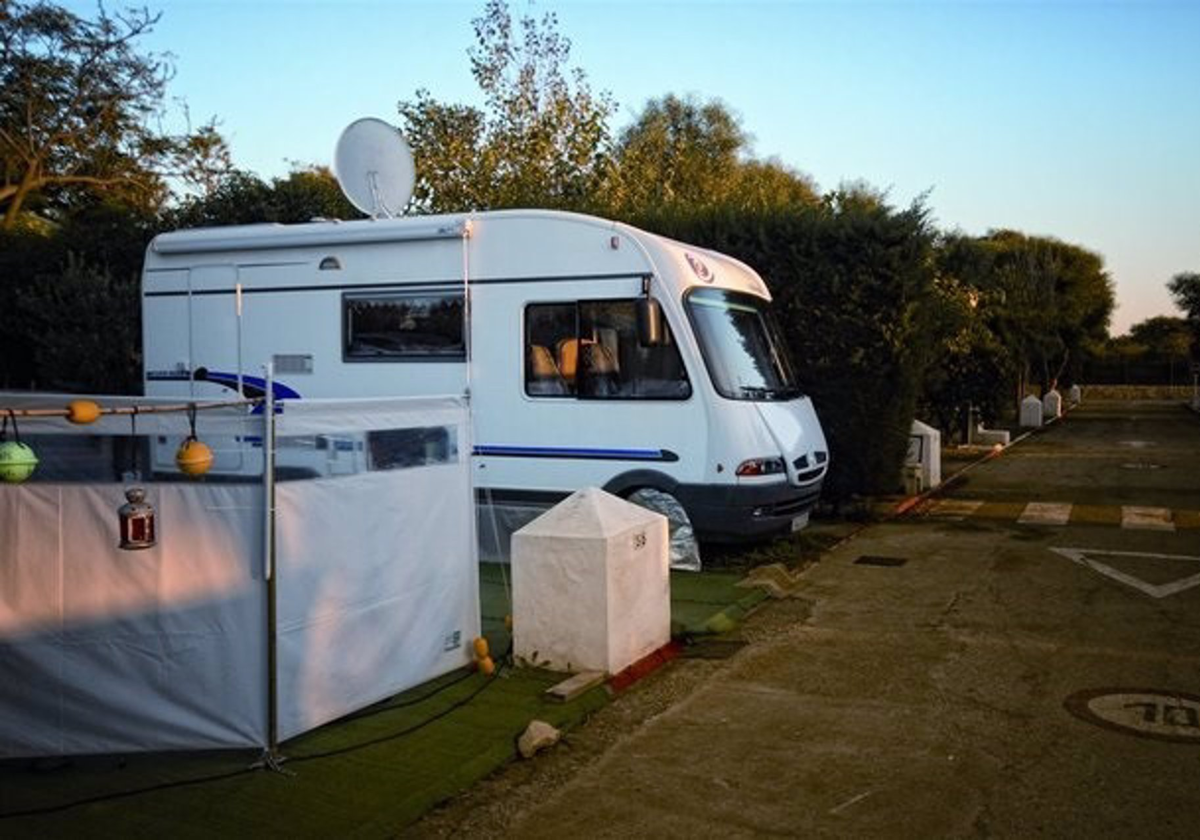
x=369, y=775
x=362, y=776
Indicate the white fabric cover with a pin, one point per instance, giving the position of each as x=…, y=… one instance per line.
x=591, y=585
x=105, y=650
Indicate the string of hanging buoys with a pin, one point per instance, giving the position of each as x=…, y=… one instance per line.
x=17, y=459
x=194, y=458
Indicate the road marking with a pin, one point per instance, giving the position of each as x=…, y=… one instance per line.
x=1135, y=517
x=1095, y=515
x=1045, y=513
x=1145, y=712
x=1146, y=518
x=1087, y=557
x=955, y=508
x=1137, y=444
x=1000, y=510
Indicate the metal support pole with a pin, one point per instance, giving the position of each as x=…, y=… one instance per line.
x=237, y=297
x=269, y=556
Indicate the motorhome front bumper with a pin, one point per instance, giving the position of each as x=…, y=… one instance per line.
x=737, y=513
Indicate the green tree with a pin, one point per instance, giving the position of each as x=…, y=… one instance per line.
x=1185, y=288
x=678, y=152
x=971, y=368
x=852, y=281
x=105, y=240
x=84, y=328
x=683, y=152
x=79, y=104
x=541, y=138
x=306, y=193
x=1056, y=302
x=1163, y=336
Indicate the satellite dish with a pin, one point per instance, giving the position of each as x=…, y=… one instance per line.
x=374, y=167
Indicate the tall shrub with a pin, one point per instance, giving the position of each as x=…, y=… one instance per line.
x=852, y=280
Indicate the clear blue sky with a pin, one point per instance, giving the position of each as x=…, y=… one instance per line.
x=1079, y=120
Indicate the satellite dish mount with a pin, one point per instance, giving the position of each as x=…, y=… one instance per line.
x=374, y=168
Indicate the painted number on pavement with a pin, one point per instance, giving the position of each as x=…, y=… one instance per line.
x=1148, y=713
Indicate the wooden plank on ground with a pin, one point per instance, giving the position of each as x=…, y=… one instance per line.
x=571, y=688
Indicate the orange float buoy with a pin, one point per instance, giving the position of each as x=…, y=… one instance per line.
x=193, y=458
x=83, y=412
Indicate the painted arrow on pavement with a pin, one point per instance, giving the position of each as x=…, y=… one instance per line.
x=1087, y=557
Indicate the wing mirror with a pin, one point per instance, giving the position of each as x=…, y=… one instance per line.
x=650, y=325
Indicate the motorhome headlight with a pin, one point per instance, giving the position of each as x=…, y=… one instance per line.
x=761, y=466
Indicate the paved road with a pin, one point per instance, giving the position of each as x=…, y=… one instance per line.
x=933, y=697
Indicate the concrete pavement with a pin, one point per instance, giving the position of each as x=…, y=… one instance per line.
x=961, y=674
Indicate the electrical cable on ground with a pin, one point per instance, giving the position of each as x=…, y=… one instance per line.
x=220, y=777
x=406, y=731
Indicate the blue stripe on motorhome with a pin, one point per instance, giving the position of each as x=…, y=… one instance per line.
x=577, y=453
x=257, y=383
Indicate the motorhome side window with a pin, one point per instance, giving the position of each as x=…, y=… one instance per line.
x=590, y=349
x=394, y=326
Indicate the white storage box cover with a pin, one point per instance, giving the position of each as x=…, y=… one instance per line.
x=925, y=451
x=591, y=585
x=1052, y=404
x=1031, y=412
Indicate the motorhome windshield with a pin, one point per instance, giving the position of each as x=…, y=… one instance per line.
x=741, y=344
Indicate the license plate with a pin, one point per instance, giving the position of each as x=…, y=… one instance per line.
x=799, y=522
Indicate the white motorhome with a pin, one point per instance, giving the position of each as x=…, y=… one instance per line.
x=594, y=353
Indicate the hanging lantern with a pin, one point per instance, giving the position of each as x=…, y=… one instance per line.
x=136, y=521
x=17, y=460
x=82, y=412
x=193, y=457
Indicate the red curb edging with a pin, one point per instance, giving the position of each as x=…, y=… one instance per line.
x=645, y=666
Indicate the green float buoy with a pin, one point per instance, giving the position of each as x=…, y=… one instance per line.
x=17, y=461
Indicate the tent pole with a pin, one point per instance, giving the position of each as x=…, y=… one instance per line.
x=269, y=557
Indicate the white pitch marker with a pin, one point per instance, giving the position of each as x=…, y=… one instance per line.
x=955, y=508
x=1045, y=513
x=1146, y=518
x=1089, y=558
